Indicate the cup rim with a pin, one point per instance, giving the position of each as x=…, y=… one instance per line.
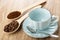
x=41, y=8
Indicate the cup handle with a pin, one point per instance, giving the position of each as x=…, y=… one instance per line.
x=55, y=19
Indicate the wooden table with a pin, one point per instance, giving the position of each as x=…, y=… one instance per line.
x=52, y=5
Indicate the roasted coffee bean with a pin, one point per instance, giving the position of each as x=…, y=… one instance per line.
x=11, y=26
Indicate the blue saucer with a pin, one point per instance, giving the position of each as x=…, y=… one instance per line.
x=50, y=30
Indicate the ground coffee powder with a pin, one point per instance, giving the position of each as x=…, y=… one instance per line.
x=13, y=15
x=11, y=26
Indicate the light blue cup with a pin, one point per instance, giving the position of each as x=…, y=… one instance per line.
x=41, y=18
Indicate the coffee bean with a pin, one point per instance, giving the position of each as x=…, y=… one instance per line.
x=11, y=26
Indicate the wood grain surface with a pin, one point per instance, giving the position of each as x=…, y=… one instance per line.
x=52, y=5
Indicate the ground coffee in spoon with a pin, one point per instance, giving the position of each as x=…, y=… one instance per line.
x=13, y=14
x=11, y=26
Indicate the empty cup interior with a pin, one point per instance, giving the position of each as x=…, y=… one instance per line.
x=40, y=14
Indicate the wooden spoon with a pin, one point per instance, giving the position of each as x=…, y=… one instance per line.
x=21, y=19
x=23, y=11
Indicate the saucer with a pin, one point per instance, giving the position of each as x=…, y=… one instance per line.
x=41, y=34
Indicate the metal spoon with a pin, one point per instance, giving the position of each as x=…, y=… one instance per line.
x=33, y=31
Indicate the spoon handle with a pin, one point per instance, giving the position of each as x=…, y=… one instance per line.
x=26, y=15
x=22, y=18
x=34, y=5
x=55, y=36
x=24, y=11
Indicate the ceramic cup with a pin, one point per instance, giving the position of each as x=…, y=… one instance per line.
x=40, y=17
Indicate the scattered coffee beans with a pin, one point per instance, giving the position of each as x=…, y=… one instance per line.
x=13, y=14
x=11, y=27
